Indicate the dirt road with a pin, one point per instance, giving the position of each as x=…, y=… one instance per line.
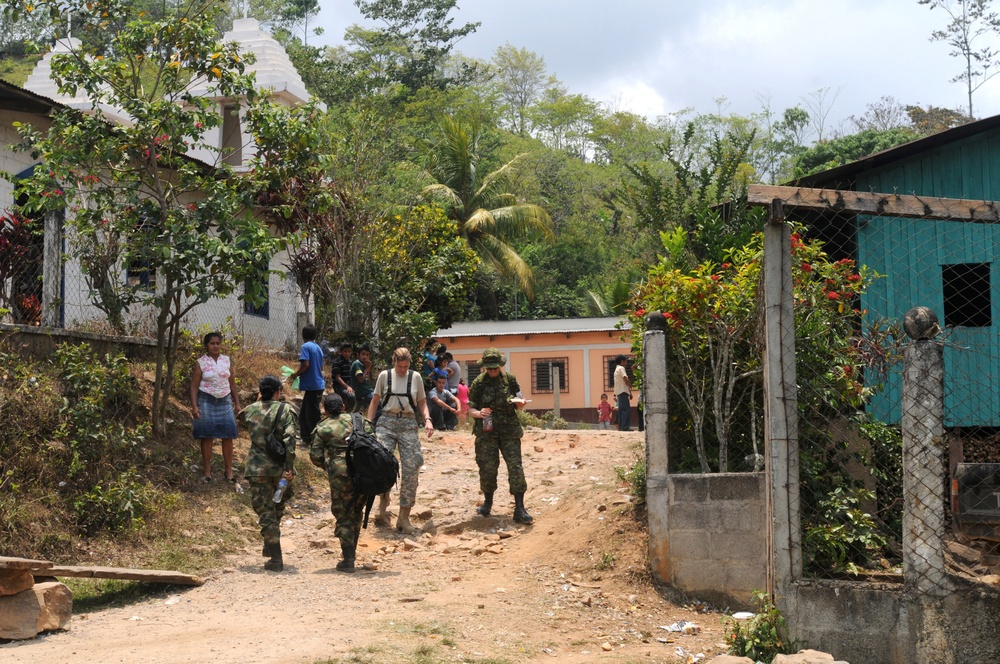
x=572, y=587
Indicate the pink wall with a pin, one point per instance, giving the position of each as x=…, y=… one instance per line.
x=584, y=352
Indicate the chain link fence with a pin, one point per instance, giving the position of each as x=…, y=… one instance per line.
x=898, y=454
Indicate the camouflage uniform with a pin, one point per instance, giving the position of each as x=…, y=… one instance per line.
x=402, y=432
x=505, y=439
x=329, y=451
x=262, y=473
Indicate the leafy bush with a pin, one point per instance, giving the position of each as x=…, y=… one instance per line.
x=635, y=477
x=528, y=420
x=843, y=537
x=761, y=637
x=117, y=505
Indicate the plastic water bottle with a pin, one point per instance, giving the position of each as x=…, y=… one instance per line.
x=488, y=422
x=282, y=485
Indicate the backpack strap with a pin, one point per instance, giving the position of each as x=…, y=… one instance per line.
x=409, y=388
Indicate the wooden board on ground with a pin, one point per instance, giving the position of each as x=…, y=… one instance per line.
x=148, y=575
x=23, y=563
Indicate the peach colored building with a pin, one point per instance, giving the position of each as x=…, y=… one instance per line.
x=582, y=349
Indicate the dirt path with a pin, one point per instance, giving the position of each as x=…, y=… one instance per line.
x=571, y=587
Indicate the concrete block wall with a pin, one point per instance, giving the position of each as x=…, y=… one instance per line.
x=717, y=536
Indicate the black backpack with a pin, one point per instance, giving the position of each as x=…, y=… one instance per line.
x=372, y=468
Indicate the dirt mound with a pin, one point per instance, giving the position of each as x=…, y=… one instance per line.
x=573, y=585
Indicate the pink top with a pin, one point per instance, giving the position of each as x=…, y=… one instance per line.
x=214, y=376
x=463, y=394
x=604, y=411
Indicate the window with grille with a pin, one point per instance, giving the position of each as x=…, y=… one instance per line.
x=474, y=370
x=966, y=295
x=609, y=373
x=141, y=276
x=541, y=374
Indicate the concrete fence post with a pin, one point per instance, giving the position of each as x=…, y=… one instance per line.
x=52, y=270
x=923, y=457
x=780, y=414
x=654, y=392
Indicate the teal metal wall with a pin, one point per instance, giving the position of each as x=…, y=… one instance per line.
x=911, y=253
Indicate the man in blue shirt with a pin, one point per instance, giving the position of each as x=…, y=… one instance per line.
x=311, y=382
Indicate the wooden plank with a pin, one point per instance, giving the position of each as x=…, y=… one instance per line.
x=23, y=563
x=149, y=575
x=889, y=205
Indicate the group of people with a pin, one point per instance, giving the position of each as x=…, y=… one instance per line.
x=397, y=406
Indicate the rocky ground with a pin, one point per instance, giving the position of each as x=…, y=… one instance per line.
x=572, y=587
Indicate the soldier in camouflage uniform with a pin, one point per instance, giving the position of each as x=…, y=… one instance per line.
x=490, y=396
x=263, y=473
x=329, y=452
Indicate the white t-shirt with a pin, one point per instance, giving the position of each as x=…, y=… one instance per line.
x=620, y=376
x=398, y=404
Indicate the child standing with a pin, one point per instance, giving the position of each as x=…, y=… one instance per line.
x=604, y=413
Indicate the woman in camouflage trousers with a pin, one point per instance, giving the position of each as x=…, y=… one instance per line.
x=329, y=452
x=262, y=472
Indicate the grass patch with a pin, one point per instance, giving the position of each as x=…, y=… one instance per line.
x=96, y=594
x=424, y=629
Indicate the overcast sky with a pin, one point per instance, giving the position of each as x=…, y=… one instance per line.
x=660, y=56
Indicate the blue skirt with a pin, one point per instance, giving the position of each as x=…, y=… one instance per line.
x=217, y=419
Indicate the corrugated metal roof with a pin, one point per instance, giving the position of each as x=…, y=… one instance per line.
x=499, y=328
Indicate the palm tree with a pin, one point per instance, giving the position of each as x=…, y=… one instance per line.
x=487, y=214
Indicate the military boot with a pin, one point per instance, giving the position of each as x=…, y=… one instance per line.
x=348, y=551
x=266, y=551
x=275, y=564
x=487, y=506
x=520, y=514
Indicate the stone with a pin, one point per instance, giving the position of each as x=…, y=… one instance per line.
x=13, y=581
x=606, y=647
x=602, y=508
x=425, y=514
x=921, y=323
x=323, y=544
x=806, y=657
x=409, y=545
x=42, y=607
x=539, y=448
x=730, y=659
x=57, y=605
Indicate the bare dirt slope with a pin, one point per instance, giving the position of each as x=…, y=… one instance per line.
x=572, y=587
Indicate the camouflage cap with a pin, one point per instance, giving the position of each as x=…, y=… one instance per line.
x=492, y=359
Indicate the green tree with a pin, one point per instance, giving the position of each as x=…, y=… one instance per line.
x=519, y=79
x=839, y=151
x=417, y=38
x=487, y=214
x=134, y=199
x=970, y=24
x=931, y=120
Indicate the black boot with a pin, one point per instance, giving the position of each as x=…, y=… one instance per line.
x=487, y=506
x=348, y=551
x=266, y=551
x=275, y=564
x=520, y=514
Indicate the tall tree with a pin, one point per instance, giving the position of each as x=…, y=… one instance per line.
x=135, y=201
x=488, y=215
x=971, y=23
x=520, y=78
x=419, y=34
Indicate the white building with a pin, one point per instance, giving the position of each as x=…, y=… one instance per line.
x=60, y=288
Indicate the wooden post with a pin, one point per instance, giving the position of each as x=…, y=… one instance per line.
x=781, y=419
